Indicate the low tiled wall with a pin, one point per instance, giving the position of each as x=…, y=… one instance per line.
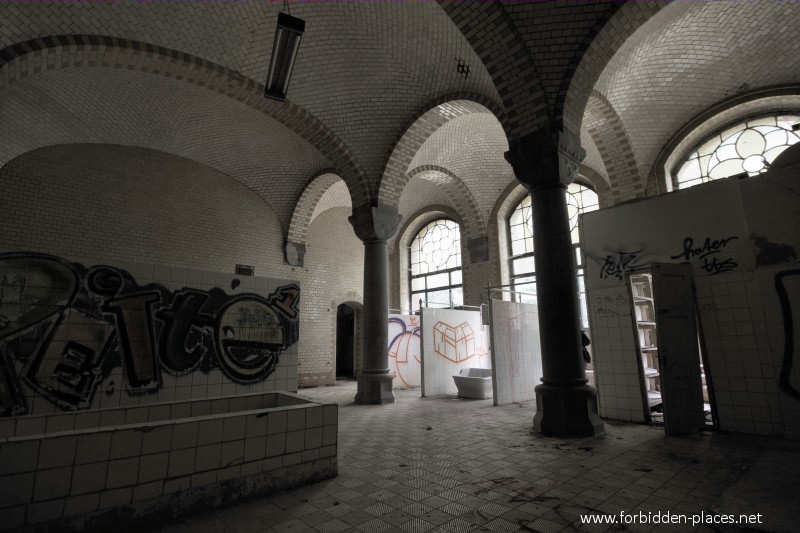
x=142, y=463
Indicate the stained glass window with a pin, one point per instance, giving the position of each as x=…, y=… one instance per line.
x=747, y=147
x=580, y=199
x=435, y=259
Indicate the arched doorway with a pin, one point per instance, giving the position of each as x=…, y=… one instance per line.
x=345, y=341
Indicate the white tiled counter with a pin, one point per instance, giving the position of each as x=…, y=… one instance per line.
x=94, y=469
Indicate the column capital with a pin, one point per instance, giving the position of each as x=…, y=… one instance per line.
x=546, y=158
x=375, y=223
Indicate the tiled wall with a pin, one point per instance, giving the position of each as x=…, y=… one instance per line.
x=451, y=340
x=332, y=275
x=743, y=322
x=115, y=385
x=614, y=354
x=516, y=351
x=135, y=208
x=167, y=458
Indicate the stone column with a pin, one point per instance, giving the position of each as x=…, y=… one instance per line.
x=374, y=226
x=566, y=405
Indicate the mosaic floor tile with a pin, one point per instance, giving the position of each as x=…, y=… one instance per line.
x=397, y=477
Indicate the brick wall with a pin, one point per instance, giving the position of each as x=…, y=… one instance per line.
x=131, y=204
x=332, y=276
x=119, y=205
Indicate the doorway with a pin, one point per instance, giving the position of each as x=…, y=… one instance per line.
x=345, y=341
x=671, y=362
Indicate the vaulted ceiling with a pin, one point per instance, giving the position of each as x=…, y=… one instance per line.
x=372, y=83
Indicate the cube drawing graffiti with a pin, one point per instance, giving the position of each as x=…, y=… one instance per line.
x=454, y=343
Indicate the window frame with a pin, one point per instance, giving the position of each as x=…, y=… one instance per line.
x=734, y=128
x=414, y=295
x=530, y=277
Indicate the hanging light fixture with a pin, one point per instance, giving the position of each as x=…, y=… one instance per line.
x=284, y=52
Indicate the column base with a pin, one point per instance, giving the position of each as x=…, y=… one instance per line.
x=564, y=411
x=374, y=389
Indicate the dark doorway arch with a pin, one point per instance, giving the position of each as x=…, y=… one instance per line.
x=345, y=341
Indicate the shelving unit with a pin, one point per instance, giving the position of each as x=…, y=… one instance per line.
x=644, y=309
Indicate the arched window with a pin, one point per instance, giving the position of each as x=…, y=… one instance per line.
x=747, y=147
x=580, y=199
x=435, y=259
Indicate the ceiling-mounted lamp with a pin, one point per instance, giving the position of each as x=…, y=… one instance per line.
x=284, y=51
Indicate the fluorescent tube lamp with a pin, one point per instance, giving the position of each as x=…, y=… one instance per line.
x=284, y=52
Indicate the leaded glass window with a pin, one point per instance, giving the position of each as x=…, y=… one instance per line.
x=435, y=259
x=747, y=147
x=580, y=199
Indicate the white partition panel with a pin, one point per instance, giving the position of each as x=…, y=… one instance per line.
x=516, y=351
x=405, y=352
x=741, y=238
x=451, y=340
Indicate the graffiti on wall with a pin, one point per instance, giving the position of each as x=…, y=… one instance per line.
x=617, y=265
x=608, y=306
x=457, y=343
x=404, y=349
x=454, y=343
x=710, y=255
x=66, y=326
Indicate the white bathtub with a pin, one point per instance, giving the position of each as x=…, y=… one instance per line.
x=474, y=383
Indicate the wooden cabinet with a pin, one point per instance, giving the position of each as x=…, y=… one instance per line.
x=644, y=310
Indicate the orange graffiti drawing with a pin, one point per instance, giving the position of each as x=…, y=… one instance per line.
x=454, y=343
x=404, y=350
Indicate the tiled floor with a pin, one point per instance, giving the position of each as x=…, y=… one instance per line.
x=442, y=464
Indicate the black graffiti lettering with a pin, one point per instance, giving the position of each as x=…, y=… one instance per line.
x=75, y=360
x=605, y=312
x=105, y=280
x=66, y=369
x=618, y=266
x=175, y=353
x=705, y=254
x=249, y=336
x=69, y=326
x=713, y=266
x=256, y=318
x=708, y=247
x=133, y=316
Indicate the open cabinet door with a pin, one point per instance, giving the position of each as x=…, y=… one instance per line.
x=678, y=352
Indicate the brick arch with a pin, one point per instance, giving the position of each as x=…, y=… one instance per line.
x=307, y=203
x=98, y=51
x=406, y=233
x=415, y=222
x=469, y=213
x=595, y=181
x=495, y=39
x=508, y=200
x=594, y=54
x=424, y=124
x=515, y=192
x=608, y=133
x=763, y=101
